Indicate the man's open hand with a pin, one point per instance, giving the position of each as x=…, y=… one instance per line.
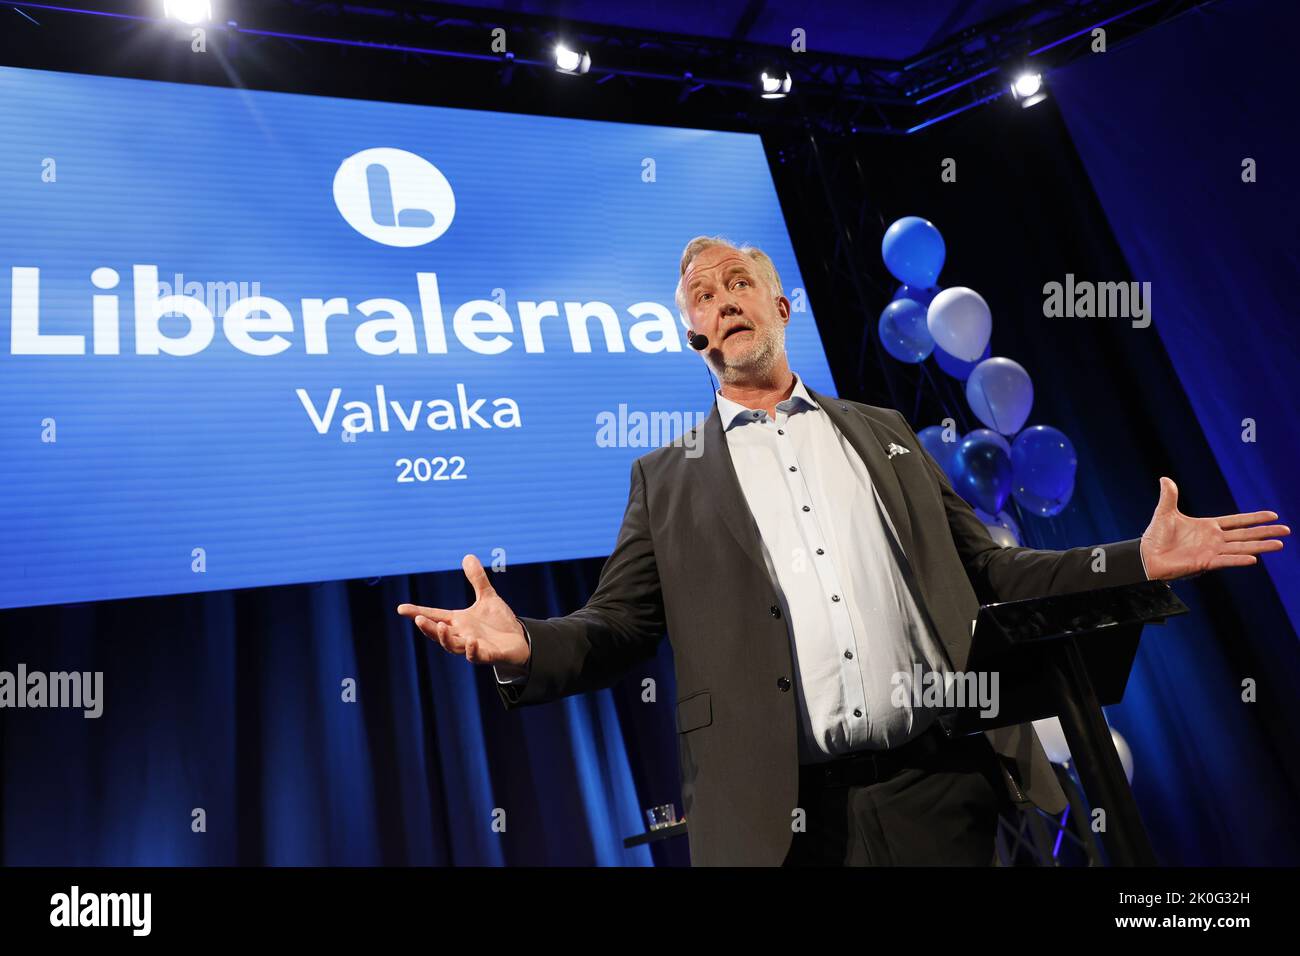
x=1176, y=545
x=487, y=632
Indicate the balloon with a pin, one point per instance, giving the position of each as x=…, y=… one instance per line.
x=1052, y=736
x=1002, y=537
x=1125, y=753
x=957, y=368
x=960, y=322
x=1000, y=394
x=913, y=251
x=903, y=331
x=1044, y=507
x=941, y=451
x=982, y=469
x=1043, y=465
x=1001, y=520
x=916, y=294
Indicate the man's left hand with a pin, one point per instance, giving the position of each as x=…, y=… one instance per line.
x=1176, y=545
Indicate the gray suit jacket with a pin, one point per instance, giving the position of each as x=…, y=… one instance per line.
x=688, y=560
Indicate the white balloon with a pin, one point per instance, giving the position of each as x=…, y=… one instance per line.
x=1000, y=393
x=960, y=322
x=1053, y=739
x=1003, y=537
x=1052, y=736
x=1125, y=753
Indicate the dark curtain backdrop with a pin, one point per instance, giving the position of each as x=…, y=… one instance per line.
x=1164, y=151
x=231, y=701
x=1162, y=126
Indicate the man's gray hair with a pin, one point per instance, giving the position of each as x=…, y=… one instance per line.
x=762, y=263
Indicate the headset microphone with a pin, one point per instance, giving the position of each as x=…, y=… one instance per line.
x=700, y=343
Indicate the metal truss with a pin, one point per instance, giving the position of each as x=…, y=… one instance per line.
x=840, y=94
x=1035, y=838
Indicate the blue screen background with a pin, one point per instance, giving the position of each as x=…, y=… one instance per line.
x=159, y=455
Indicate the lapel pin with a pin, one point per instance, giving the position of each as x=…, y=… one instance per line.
x=895, y=450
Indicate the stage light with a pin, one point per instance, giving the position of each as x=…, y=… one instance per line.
x=775, y=85
x=570, y=61
x=1027, y=88
x=1027, y=84
x=188, y=11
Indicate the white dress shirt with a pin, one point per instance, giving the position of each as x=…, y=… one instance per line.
x=839, y=572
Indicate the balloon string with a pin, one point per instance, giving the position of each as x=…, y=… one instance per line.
x=862, y=357
x=945, y=401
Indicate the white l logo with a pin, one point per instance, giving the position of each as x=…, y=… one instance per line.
x=394, y=197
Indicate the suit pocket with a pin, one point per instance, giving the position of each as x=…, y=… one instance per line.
x=909, y=465
x=694, y=712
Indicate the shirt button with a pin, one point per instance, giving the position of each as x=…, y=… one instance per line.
x=848, y=655
x=821, y=551
x=780, y=431
x=835, y=598
x=783, y=683
x=793, y=468
x=857, y=712
x=806, y=508
x=774, y=610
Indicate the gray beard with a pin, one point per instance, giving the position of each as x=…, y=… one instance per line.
x=762, y=361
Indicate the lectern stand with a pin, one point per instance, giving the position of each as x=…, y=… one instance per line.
x=1069, y=655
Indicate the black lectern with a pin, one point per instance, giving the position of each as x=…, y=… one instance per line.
x=1069, y=655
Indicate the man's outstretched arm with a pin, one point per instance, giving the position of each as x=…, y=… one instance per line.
x=1174, y=545
x=588, y=649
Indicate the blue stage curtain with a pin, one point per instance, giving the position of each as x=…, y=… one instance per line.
x=1162, y=126
x=232, y=702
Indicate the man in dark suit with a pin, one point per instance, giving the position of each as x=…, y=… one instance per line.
x=806, y=564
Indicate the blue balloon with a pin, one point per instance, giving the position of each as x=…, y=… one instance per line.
x=1000, y=394
x=941, y=451
x=913, y=251
x=982, y=470
x=903, y=331
x=923, y=296
x=1045, y=507
x=1043, y=463
x=956, y=367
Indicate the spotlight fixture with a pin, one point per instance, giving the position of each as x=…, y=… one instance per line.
x=1027, y=88
x=188, y=11
x=569, y=61
x=774, y=85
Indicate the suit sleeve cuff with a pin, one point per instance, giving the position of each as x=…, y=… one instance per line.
x=510, y=674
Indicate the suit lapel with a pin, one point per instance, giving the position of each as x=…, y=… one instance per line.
x=722, y=493
x=870, y=439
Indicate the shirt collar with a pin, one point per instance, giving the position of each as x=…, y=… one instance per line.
x=734, y=413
